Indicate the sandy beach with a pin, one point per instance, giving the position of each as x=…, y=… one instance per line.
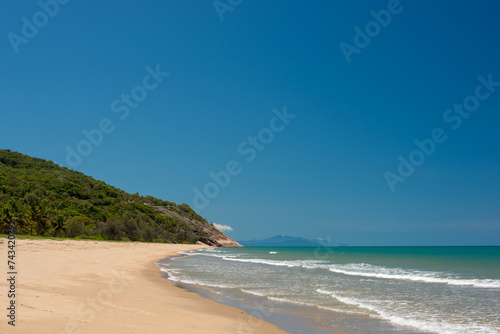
x=76, y=286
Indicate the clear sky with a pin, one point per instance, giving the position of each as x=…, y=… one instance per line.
x=309, y=109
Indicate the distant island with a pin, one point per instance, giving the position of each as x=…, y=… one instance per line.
x=44, y=199
x=288, y=241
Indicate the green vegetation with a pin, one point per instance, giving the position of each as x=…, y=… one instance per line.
x=44, y=199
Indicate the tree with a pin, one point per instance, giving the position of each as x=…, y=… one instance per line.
x=19, y=216
x=114, y=230
x=132, y=230
x=5, y=220
x=58, y=226
x=39, y=217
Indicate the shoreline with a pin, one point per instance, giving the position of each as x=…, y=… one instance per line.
x=291, y=315
x=289, y=322
x=77, y=286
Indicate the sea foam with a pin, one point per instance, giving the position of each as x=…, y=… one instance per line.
x=367, y=270
x=429, y=324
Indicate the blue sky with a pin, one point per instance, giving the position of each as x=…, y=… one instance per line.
x=321, y=172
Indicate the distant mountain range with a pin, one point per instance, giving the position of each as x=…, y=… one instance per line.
x=288, y=241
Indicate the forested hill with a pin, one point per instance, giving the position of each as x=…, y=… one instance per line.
x=45, y=199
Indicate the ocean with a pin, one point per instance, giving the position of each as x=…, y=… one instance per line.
x=446, y=290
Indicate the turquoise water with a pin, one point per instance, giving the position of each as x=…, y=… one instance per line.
x=446, y=290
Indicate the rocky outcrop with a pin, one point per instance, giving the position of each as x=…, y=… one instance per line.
x=220, y=240
x=209, y=235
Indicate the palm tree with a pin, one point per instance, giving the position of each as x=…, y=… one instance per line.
x=19, y=216
x=58, y=226
x=39, y=218
x=5, y=220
